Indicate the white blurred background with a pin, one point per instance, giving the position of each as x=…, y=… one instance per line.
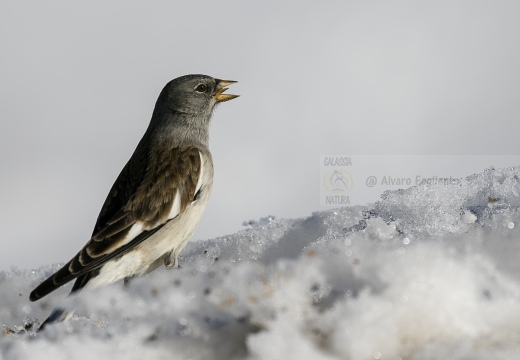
x=79, y=82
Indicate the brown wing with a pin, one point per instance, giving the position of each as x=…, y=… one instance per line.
x=139, y=204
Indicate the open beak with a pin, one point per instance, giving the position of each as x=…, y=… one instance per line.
x=221, y=87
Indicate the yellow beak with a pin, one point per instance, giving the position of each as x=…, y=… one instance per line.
x=221, y=87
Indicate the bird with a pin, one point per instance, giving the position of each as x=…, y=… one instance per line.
x=157, y=200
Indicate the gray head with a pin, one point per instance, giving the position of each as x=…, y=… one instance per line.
x=184, y=107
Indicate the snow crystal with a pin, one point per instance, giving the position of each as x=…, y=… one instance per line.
x=426, y=273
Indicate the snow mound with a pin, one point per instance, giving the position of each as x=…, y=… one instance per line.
x=430, y=272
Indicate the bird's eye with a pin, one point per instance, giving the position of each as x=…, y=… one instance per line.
x=201, y=88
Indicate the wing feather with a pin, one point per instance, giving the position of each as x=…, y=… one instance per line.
x=152, y=189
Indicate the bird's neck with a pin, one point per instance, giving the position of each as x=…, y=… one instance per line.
x=181, y=129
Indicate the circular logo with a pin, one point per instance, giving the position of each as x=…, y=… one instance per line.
x=338, y=181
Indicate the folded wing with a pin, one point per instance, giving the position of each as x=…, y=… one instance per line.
x=150, y=191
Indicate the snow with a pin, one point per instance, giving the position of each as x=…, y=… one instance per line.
x=429, y=272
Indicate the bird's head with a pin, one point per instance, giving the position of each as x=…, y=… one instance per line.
x=184, y=107
x=194, y=94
